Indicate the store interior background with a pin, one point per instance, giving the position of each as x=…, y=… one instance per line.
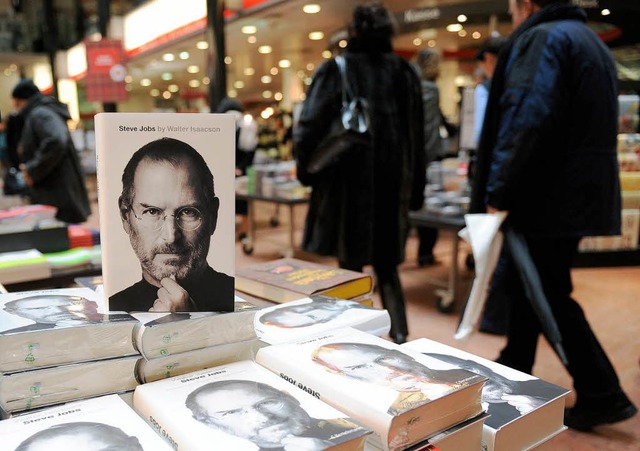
x=608, y=295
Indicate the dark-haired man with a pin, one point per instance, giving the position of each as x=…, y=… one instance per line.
x=169, y=209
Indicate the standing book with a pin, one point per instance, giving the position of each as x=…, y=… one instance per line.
x=167, y=210
x=402, y=395
x=242, y=406
x=524, y=411
x=60, y=325
x=295, y=320
x=289, y=279
x=106, y=422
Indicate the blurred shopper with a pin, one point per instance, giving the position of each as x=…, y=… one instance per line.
x=246, y=144
x=547, y=156
x=428, y=62
x=50, y=163
x=358, y=212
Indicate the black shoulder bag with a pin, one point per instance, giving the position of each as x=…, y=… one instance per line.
x=348, y=131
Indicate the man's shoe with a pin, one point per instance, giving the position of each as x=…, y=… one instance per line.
x=585, y=420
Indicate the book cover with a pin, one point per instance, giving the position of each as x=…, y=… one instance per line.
x=162, y=334
x=103, y=423
x=242, y=406
x=167, y=210
x=60, y=325
x=294, y=320
x=149, y=370
x=30, y=389
x=289, y=279
x=524, y=410
x=401, y=394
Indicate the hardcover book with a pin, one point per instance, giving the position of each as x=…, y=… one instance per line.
x=404, y=396
x=524, y=411
x=289, y=279
x=22, y=266
x=242, y=406
x=167, y=210
x=294, y=320
x=30, y=389
x=106, y=422
x=61, y=325
x=162, y=334
x=199, y=359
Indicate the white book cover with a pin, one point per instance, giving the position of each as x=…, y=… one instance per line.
x=167, y=210
x=163, y=334
x=61, y=325
x=26, y=390
x=294, y=320
x=104, y=423
x=524, y=411
x=242, y=406
x=402, y=395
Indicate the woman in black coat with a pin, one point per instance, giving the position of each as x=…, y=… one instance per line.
x=358, y=210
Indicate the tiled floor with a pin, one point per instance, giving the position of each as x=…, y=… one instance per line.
x=609, y=296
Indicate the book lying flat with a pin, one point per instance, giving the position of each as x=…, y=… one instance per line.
x=22, y=266
x=57, y=326
x=402, y=395
x=242, y=406
x=30, y=389
x=524, y=411
x=198, y=359
x=294, y=320
x=162, y=334
x=289, y=279
x=105, y=422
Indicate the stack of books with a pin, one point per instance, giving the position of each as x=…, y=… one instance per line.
x=59, y=345
x=172, y=344
x=290, y=279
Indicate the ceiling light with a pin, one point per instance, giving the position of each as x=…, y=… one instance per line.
x=454, y=27
x=173, y=88
x=166, y=95
x=417, y=41
x=249, y=71
x=342, y=44
x=311, y=8
x=462, y=18
x=316, y=35
x=264, y=49
x=206, y=80
x=128, y=88
x=128, y=79
x=252, y=39
x=184, y=55
x=605, y=12
x=168, y=57
x=274, y=71
x=193, y=69
x=265, y=79
x=431, y=43
x=202, y=45
x=326, y=54
x=476, y=35
x=301, y=74
x=249, y=29
x=462, y=33
x=284, y=64
x=267, y=94
x=194, y=83
x=145, y=82
x=154, y=92
x=239, y=84
x=232, y=93
x=166, y=76
x=308, y=81
x=228, y=60
x=278, y=96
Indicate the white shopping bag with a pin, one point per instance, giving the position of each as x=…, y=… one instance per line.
x=482, y=231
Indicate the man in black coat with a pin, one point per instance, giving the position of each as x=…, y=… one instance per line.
x=547, y=156
x=50, y=163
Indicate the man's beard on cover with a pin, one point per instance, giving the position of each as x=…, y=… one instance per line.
x=192, y=257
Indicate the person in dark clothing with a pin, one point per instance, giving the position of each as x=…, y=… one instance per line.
x=50, y=163
x=547, y=156
x=359, y=210
x=169, y=209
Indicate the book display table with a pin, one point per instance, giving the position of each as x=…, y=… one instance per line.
x=247, y=245
x=423, y=218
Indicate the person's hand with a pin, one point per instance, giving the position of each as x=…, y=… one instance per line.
x=491, y=209
x=25, y=175
x=171, y=297
x=294, y=443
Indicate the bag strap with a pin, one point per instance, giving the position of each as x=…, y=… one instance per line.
x=346, y=91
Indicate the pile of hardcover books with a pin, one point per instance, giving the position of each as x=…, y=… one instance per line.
x=61, y=345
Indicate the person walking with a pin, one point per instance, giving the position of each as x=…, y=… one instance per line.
x=359, y=210
x=547, y=156
x=50, y=163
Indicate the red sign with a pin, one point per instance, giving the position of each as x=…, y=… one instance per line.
x=105, y=71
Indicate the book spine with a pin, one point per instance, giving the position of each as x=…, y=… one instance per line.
x=160, y=419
